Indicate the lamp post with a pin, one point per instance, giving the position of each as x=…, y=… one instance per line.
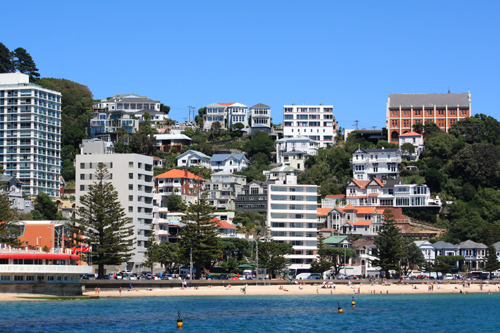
x=257, y=261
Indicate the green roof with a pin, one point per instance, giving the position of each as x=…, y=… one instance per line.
x=334, y=239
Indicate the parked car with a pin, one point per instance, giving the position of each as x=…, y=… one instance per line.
x=314, y=276
x=167, y=277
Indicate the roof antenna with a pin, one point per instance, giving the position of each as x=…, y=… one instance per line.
x=449, y=92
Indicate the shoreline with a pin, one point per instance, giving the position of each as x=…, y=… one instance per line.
x=273, y=290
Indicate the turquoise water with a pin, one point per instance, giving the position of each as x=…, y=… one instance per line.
x=287, y=313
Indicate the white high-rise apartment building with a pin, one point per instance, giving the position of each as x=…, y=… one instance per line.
x=132, y=177
x=292, y=218
x=30, y=134
x=314, y=121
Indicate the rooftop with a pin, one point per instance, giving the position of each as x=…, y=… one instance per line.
x=429, y=100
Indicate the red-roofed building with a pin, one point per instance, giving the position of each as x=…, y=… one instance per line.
x=180, y=182
x=226, y=229
x=416, y=139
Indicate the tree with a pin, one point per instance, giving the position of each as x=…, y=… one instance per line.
x=169, y=256
x=45, y=208
x=199, y=236
x=492, y=263
x=478, y=164
x=412, y=256
x=6, y=65
x=389, y=243
x=418, y=127
x=336, y=255
x=322, y=263
x=408, y=149
x=260, y=142
x=175, y=203
x=152, y=250
x=103, y=223
x=8, y=234
x=272, y=255
x=23, y=62
x=164, y=108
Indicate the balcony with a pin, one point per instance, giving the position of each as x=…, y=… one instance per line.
x=46, y=269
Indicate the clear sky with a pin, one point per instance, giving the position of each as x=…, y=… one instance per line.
x=351, y=54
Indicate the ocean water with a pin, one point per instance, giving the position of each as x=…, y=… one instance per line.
x=284, y=313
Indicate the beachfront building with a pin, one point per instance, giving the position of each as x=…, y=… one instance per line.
x=365, y=250
x=132, y=177
x=226, y=114
x=124, y=111
x=193, y=158
x=382, y=162
x=260, y=118
x=229, y=163
x=30, y=134
x=223, y=188
x=26, y=271
x=428, y=250
x=314, y=121
x=406, y=110
x=474, y=253
x=292, y=218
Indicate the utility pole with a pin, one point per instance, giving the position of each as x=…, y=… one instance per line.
x=357, y=122
x=191, y=263
x=191, y=107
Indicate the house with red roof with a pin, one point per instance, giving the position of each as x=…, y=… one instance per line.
x=180, y=182
x=416, y=139
x=226, y=229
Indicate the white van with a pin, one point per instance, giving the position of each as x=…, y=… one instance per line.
x=303, y=276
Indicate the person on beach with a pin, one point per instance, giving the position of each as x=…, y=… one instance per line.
x=120, y=291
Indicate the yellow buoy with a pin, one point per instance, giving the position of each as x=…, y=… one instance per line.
x=353, y=303
x=179, y=320
x=340, y=308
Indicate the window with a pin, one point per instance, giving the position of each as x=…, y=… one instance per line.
x=82, y=165
x=130, y=186
x=90, y=165
x=130, y=209
x=110, y=165
x=130, y=198
x=82, y=187
x=130, y=164
x=82, y=176
x=130, y=176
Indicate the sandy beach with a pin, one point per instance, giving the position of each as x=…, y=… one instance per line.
x=296, y=289
x=285, y=289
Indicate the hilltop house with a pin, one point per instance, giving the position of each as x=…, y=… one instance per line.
x=382, y=162
x=228, y=163
x=193, y=158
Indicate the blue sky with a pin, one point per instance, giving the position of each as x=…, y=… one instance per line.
x=351, y=54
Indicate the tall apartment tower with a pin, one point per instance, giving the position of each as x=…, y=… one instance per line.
x=314, y=121
x=405, y=110
x=132, y=177
x=30, y=134
x=292, y=218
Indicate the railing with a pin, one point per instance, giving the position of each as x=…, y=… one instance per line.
x=45, y=269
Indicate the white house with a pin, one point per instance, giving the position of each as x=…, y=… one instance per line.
x=193, y=158
x=260, y=115
x=226, y=114
x=416, y=139
x=228, y=163
x=294, y=151
x=375, y=163
x=428, y=250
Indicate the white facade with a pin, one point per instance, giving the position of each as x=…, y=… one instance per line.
x=294, y=151
x=416, y=139
x=292, y=218
x=30, y=134
x=223, y=188
x=226, y=114
x=228, y=163
x=314, y=121
x=132, y=177
x=193, y=158
x=427, y=249
x=260, y=116
x=375, y=163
